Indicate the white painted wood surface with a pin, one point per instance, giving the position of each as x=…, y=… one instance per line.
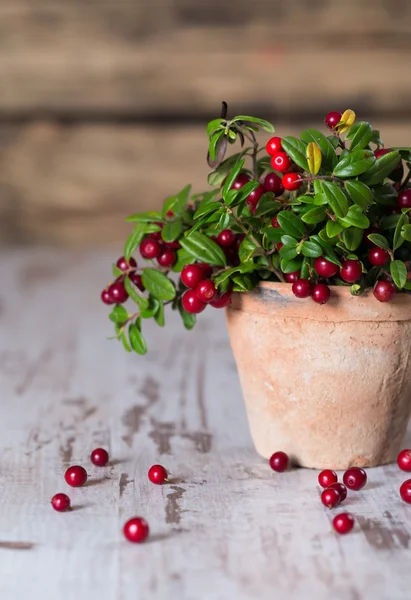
x=226, y=528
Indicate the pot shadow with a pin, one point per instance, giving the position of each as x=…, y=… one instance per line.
x=161, y=537
x=373, y=485
x=80, y=506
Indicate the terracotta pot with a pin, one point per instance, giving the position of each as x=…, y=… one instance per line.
x=329, y=385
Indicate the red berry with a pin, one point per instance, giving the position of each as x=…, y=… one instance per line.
x=191, y=302
x=99, y=457
x=136, y=530
x=367, y=232
x=253, y=198
x=222, y=301
x=226, y=238
x=405, y=491
x=76, y=476
x=173, y=245
x=291, y=181
x=106, y=298
x=292, y=277
x=240, y=181
x=157, y=474
x=155, y=235
x=123, y=265
x=279, y=462
x=206, y=291
x=137, y=280
x=275, y=223
x=330, y=498
x=272, y=183
x=273, y=146
x=355, y=478
x=60, y=502
x=281, y=162
x=343, y=523
x=404, y=198
x=325, y=268
x=167, y=258
x=404, y=460
x=320, y=293
x=207, y=269
x=191, y=275
x=302, y=288
x=384, y=291
x=327, y=477
x=279, y=246
x=117, y=292
x=351, y=271
x=378, y=257
x=332, y=119
x=150, y=248
x=341, y=489
x=237, y=242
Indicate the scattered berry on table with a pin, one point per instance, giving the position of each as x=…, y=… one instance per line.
x=157, y=474
x=355, y=478
x=404, y=460
x=76, y=476
x=279, y=462
x=327, y=477
x=343, y=523
x=330, y=498
x=136, y=530
x=341, y=489
x=405, y=491
x=60, y=502
x=99, y=457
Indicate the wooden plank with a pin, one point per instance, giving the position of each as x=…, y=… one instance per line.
x=74, y=185
x=179, y=58
x=225, y=527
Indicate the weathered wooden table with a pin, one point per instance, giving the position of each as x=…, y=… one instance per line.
x=226, y=527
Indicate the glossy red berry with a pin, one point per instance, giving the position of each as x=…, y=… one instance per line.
x=191, y=275
x=292, y=277
x=206, y=291
x=207, y=269
x=137, y=280
x=355, y=478
x=272, y=183
x=302, y=288
x=99, y=457
x=106, y=298
x=279, y=246
x=275, y=223
x=332, y=119
x=351, y=271
x=273, y=146
x=157, y=474
x=150, y=248
x=136, y=530
x=384, y=291
x=60, y=502
x=167, y=258
x=341, y=489
x=240, y=181
x=76, y=476
x=279, y=462
x=320, y=293
x=343, y=523
x=404, y=460
x=222, y=301
x=226, y=238
x=191, y=302
x=325, y=268
x=254, y=197
x=173, y=245
x=378, y=257
x=118, y=292
x=405, y=491
x=291, y=181
x=237, y=242
x=327, y=477
x=404, y=198
x=330, y=498
x=281, y=162
x=123, y=265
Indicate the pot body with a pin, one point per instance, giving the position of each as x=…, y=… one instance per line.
x=328, y=384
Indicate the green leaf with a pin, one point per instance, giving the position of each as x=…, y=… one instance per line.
x=406, y=232
x=273, y=234
x=216, y=139
x=247, y=250
x=134, y=295
x=125, y=342
x=242, y=283
x=355, y=218
x=136, y=339
x=390, y=222
x=287, y=240
x=327, y=149
x=336, y=198
x=189, y=319
x=177, y=203
x=172, y=230
x=152, y=308
x=385, y=194
x=158, y=284
x=291, y=266
x=333, y=229
x=288, y=252
x=296, y=150
x=404, y=152
x=116, y=271
x=376, y=139
x=224, y=221
x=203, y=249
x=267, y=204
x=328, y=250
x=208, y=205
x=314, y=215
x=183, y=258
x=291, y=224
x=311, y=249
x=259, y=122
x=215, y=125
x=159, y=315
x=362, y=136
x=242, y=268
x=381, y=168
x=305, y=271
x=359, y=193
x=352, y=238
x=231, y=177
x=355, y=163
x=244, y=192
x=119, y=314
x=217, y=176
x=398, y=239
x=144, y=217
x=398, y=273
x=134, y=240
x=379, y=240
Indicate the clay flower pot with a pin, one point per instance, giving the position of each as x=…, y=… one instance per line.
x=329, y=385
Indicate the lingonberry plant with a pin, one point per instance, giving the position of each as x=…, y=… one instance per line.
x=324, y=209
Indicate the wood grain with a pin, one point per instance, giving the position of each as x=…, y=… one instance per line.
x=225, y=526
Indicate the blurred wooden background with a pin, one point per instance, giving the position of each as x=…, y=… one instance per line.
x=103, y=103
